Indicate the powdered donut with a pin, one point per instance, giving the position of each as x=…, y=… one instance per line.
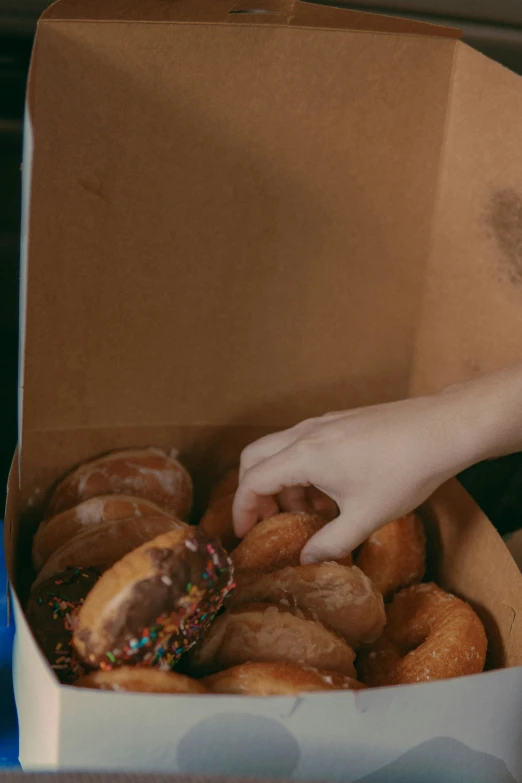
x=340, y=597
x=218, y=523
x=137, y=680
x=277, y=679
x=153, y=604
x=270, y=633
x=394, y=556
x=430, y=635
x=105, y=543
x=145, y=473
x=53, y=533
x=50, y=613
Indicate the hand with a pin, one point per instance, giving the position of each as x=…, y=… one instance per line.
x=377, y=463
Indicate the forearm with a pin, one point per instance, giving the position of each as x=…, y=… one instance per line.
x=484, y=417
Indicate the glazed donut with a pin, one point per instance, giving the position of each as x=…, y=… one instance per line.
x=270, y=633
x=50, y=613
x=429, y=635
x=273, y=544
x=227, y=485
x=54, y=532
x=137, y=680
x=105, y=543
x=340, y=597
x=145, y=473
x=153, y=604
x=395, y=556
x=218, y=523
x=277, y=679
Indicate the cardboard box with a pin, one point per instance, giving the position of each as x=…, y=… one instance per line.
x=235, y=218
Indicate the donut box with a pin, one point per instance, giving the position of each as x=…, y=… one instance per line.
x=235, y=218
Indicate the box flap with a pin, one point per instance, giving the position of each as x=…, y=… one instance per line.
x=286, y=12
x=472, y=309
x=226, y=226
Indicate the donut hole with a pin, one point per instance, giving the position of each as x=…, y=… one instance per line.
x=411, y=641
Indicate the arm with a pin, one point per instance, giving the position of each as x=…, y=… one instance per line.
x=380, y=462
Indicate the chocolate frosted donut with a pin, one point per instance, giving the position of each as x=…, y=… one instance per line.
x=145, y=473
x=154, y=603
x=51, y=611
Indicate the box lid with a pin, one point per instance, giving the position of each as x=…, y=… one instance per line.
x=232, y=222
x=279, y=12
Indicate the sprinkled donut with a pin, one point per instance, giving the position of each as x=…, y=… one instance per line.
x=277, y=679
x=269, y=633
x=137, y=680
x=341, y=597
x=51, y=610
x=394, y=556
x=154, y=603
x=57, y=531
x=145, y=473
x=429, y=635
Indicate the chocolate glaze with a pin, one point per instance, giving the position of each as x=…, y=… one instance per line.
x=51, y=611
x=166, y=613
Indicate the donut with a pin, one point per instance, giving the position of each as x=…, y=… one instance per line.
x=154, y=603
x=277, y=679
x=341, y=598
x=429, y=635
x=137, y=680
x=218, y=523
x=227, y=485
x=273, y=544
x=50, y=613
x=105, y=543
x=270, y=633
x=145, y=473
x=53, y=533
x=395, y=556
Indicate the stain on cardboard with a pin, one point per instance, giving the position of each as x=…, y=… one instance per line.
x=504, y=221
x=205, y=749
x=442, y=759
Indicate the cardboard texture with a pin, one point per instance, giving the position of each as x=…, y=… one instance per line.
x=235, y=218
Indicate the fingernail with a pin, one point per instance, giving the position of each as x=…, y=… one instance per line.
x=307, y=559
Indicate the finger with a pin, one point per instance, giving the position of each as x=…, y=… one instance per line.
x=294, y=499
x=268, y=507
x=322, y=503
x=336, y=539
x=263, y=449
x=269, y=477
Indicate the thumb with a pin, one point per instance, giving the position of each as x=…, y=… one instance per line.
x=336, y=539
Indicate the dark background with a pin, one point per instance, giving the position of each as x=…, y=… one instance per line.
x=492, y=26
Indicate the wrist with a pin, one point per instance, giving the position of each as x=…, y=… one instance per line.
x=485, y=416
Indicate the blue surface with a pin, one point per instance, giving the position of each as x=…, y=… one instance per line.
x=8, y=721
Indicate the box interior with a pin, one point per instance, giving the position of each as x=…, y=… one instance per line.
x=241, y=220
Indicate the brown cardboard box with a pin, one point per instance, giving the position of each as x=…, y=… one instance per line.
x=234, y=218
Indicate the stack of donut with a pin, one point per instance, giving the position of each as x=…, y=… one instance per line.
x=128, y=596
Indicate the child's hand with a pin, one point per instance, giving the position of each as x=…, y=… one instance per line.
x=377, y=463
